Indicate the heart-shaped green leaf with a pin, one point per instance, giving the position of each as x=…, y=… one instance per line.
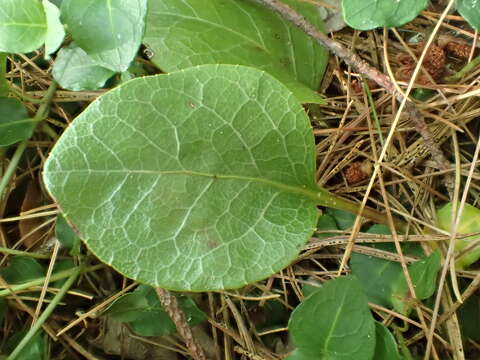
x=75, y=70
x=334, y=323
x=184, y=33
x=110, y=32
x=370, y=14
x=23, y=26
x=201, y=179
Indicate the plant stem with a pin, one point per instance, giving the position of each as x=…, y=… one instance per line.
x=46, y=313
x=327, y=199
x=39, y=116
x=170, y=304
x=464, y=71
x=40, y=281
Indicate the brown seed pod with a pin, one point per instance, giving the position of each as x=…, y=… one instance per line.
x=358, y=171
x=460, y=50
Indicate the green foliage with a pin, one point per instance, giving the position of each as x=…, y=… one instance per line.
x=55, y=30
x=469, y=223
x=109, y=32
x=142, y=310
x=186, y=33
x=470, y=10
x=15, y=125
x=202, y=191
x=67, y=237
x=385, y=347
x=22, y=269
x=36, y=348
x=75, y=70
x=23, y=26
x=370, y=14
x=334, y=323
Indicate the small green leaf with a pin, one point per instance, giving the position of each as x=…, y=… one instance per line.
x=334, y=323
x=55, y=32
x=469, y=317
x=67, y=237
x=424, y=275
x=143, y=311
x=344, y=220
x=470, y=10
x=193, y=191
x=15, y=125
x=185, y=33
x=469, y=223
x=386, y=347
x=34, y=350
x=325, y=223
x=370, y=14
x=75, y=70
x=23, y=26
x=110, y=32
x=22, y=269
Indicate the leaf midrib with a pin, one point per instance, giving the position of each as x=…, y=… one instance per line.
x=305, y=191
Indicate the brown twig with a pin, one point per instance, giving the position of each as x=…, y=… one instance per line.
x=170, y=304
x=361, y=66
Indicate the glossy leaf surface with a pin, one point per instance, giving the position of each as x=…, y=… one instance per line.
x=110, y=32
x=370, y=14
x=55, y=32
x=75, y=70
x=470, y=10
x=181, y=188
x=334, y=323
x=23, y=26
x=184, y=33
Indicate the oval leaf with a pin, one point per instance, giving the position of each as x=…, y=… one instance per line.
x=370, y=14
x=198, y=180
x=75, y=70
x=186, y=33
x=334, y=323
x=55, y=32
x=14, y=123
x=469, y=223
x=109, y=32
x=23, y=26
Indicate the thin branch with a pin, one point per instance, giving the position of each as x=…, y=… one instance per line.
x=170, y=304
x=361, y=66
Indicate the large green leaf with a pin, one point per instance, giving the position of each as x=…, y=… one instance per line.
x=76, y=71
x=14, y=122
x=201, y=179
x=23, y=25
x=469, y=223
x=183, y=33
x=334, y=323
x=470, y=10
x=110, y=32
x=370, y=14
